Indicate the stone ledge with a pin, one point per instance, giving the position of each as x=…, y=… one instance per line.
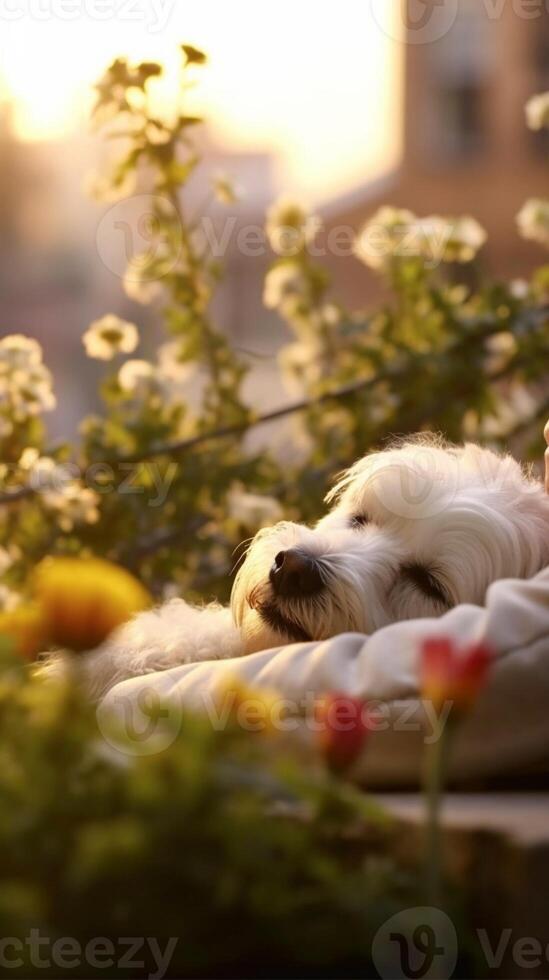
x=496, y=847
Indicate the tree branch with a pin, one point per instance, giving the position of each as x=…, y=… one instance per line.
x=487, y=326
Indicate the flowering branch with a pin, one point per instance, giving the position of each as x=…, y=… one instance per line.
x=184, y=445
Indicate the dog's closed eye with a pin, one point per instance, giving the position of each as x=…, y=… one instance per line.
x=360, y=520
x=425, y=579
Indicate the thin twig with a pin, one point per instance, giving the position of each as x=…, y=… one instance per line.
x=160, y=538
x=489, y=326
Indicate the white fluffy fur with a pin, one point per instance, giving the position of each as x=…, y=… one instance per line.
x=465, y=514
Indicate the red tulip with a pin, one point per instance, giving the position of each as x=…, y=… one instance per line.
x=343, y=728
x=450, y=674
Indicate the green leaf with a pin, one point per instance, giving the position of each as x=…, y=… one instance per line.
x=148, y=69
x=193, y=55
x=185, y=121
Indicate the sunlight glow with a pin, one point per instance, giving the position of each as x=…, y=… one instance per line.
x=315, y=83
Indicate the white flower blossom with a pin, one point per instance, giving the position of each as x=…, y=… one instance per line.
x=45, y=473
x=331, y=315
x=395, y=233
x=252, y=510
x=169, y=364
x=466, y=238
x=19, y=352
x=301, y=363
x=140, y=380
x=26, y=386
x=109, y=336
x=438, y=239
x=284, y=286
x=73, y=504
x=31, y=393
x=9, y=600
x=518, y=406
x=519, y=289
x=137, y=378
x=537, y=111
x=500, y=348
x=6, y=427
x=289, y=227
x=533, y=221
x=140, y=282
x=28, y=457
x=381, y=238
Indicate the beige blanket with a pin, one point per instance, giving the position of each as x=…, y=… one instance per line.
x=506, y=734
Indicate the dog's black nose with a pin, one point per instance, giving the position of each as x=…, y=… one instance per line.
x=295, y=574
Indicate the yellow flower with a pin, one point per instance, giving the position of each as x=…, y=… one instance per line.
x=83, y=600
x=23, y=628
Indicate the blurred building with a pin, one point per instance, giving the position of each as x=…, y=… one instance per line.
x=63, y=256
x=466, y=147
x=466, y=150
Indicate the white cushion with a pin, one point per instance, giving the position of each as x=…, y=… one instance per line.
x=506, y=733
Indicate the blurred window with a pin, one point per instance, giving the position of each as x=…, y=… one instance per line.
x=540, y=141
x=461, y=121
x=460, y=65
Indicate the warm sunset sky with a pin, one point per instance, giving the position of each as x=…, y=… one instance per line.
x=313, y=81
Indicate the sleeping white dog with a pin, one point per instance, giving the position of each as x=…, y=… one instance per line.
x=412, y=532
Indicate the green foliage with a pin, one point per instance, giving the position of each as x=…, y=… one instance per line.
x=441, y=354
x=219, y=841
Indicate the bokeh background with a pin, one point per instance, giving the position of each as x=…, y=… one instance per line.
x=325, y=101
